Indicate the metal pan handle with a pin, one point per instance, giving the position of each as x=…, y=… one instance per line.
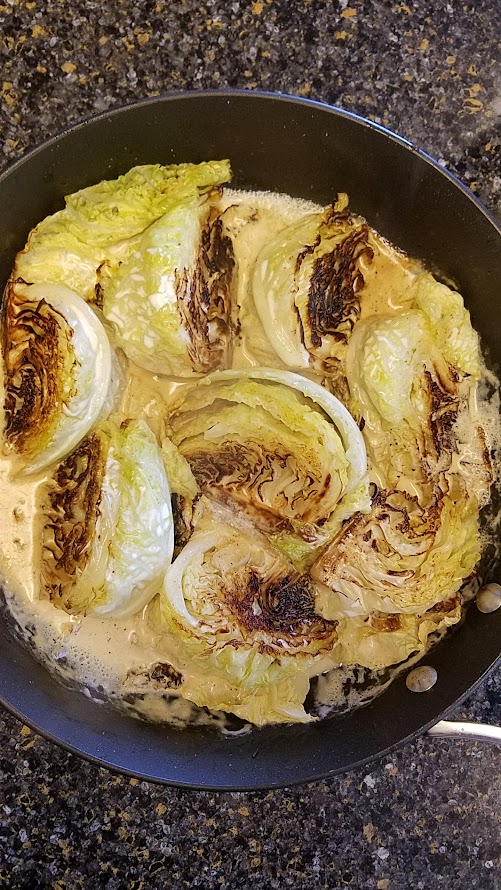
x=478, y=732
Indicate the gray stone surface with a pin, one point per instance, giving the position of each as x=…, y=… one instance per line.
x=427, y=817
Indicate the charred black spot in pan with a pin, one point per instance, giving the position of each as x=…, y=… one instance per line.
x=161, y=674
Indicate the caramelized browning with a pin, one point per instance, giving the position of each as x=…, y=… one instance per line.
x=333, y=306
x=183, y=514
x=204, y=298
x=281, y=610
x=71, y=511
x=34, y=357
x=439, y=441
x=448, y=605
x=251, y=475
x=396, y=518
x=385, y=623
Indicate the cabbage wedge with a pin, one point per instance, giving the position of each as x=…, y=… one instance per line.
x=246, y=620
x=108, y=536
x=170, y=302
x=306, y=284
x=57, y=365
x=99, y=226
x=277, y=447
x=412, y=378
x=401, y=557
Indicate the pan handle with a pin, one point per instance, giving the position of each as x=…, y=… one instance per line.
x=479, y=732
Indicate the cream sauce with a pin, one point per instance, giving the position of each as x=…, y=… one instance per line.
x=112, y=660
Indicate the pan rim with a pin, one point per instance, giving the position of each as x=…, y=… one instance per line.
x=266, y=94
x=322, y=775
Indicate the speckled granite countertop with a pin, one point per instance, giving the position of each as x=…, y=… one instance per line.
x=428, y=817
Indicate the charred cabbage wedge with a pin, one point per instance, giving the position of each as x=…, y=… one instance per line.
x=247, y=621
x=57, y=366
x=100, y=225
x=400, y=557
x=108, y=534
x=170, y=302
x=412, y=378
x=151, y=245
x=306, y=285
x=278, y=447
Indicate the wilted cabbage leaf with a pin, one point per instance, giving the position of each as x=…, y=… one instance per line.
x=401, y=557
x=278, y=447
x=100, y=225
x=450, y=323
x=170, y=302
x=306, y=284
x=246, y=620
x=57, y=371
x=181, y=478
x=108, y=531
x=417, y=409
x=379, y=640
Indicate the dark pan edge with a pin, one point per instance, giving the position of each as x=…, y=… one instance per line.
x=187, y=786
x=311, y=775
x=272, y=96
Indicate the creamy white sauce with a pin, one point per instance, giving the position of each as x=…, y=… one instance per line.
x=111, y=660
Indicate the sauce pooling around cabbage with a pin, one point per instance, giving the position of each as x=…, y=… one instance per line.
x=295, y=552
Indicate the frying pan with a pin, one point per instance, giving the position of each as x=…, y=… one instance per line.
x=311, y=151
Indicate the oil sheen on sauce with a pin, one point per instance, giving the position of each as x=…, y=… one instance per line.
x=121, y=661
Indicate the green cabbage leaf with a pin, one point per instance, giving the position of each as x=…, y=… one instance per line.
x=99, y=225
x=450, y=323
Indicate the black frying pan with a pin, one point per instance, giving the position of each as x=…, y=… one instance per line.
x=307, y=150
